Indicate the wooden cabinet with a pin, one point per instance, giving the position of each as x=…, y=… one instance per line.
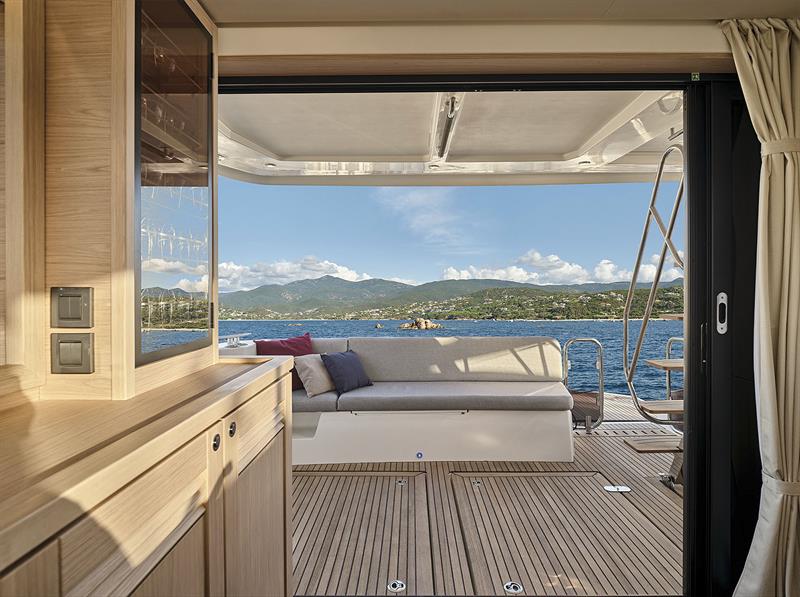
x=37, y=575
x=182, y=572
x=149, y=526
x=256, y=496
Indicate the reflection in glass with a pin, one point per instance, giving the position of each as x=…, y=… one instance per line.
x=174, y=194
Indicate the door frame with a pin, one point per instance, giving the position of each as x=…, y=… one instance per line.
x=712, y=550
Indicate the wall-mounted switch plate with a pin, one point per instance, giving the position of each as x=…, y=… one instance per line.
x=72, y=353
x=71, y=307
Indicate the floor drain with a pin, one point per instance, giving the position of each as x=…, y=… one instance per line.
x=476, y=483
x=402, y=482
x=513, y=588
x=396, y=586
x=617, y=488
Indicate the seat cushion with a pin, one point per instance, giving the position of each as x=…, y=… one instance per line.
x=458, y=395
x=321, y=403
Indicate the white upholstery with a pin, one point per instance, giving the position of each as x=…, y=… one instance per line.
x=458, y=395
x=506, y=358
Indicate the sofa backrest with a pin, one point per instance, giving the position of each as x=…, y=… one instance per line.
x=507, y=358
x=321, y=345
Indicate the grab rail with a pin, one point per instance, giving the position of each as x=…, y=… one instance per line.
x=599, y=365
x=670, y=343
x=653, y=215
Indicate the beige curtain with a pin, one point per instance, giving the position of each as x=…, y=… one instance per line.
x=767, y=56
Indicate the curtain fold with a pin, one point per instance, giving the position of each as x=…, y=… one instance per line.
x=767, y=57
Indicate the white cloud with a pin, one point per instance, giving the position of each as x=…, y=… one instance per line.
x=608, y=271
x=200, y=285
x=432, y=215
x=647, y=271
x=165, y=266
x=404, y=281
x=554, y=270
x=233, y=276
x=512, y=273
x=535, y=268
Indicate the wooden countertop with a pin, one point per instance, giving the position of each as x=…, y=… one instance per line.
x=60, y=458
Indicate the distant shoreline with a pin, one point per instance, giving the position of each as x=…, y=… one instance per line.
x=446, y=320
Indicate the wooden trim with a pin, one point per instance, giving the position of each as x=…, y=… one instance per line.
x=24, y=114
x=158, y=373
x=123, y=312
x=484, y=64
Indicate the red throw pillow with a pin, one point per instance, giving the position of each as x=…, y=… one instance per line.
x=295, y=347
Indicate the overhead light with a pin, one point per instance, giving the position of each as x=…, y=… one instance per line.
x=434, y=166
x=271, y=165
x=585, y=163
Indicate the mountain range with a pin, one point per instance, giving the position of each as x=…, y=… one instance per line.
x=332, y=293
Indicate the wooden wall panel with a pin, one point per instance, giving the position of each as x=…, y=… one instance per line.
x=2, y=184
x=79, y=193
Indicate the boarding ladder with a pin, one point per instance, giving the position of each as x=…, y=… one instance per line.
x=661, y=412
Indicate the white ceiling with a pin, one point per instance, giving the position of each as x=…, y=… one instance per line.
x=342, y=11
x=351, y=135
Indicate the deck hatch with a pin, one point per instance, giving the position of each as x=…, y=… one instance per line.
x=561, y=534
x=361, y=533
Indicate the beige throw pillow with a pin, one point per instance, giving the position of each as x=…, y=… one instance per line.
x=313, y=374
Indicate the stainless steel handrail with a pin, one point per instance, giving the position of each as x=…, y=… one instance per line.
x=599, y=365
x=629, y=363
x=670, y=343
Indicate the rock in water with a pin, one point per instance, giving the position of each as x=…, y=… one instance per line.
x=420, y=324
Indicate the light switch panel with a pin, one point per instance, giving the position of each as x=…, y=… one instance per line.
x=71, y=307
x=72, y=353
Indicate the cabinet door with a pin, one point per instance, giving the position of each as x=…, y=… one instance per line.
x=121, y=542
x=36, y=576
x=182, y=571
x=255, y=496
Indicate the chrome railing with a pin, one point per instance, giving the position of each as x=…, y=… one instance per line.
x=599, y=365
x=653, y=215
x=670, y=343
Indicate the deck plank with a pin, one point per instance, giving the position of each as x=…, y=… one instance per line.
x=354, y=527
x=367, y=531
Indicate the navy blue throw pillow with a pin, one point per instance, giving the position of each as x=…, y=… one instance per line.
x=346, y=371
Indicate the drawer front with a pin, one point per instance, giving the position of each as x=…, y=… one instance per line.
x=257, y=422
x=113, y=547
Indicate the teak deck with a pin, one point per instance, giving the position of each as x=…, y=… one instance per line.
x=466, y=528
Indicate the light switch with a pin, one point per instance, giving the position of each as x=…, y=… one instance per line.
x=72, y=353
x=71, y=307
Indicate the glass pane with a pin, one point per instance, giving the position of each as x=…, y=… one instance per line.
x=175, y=191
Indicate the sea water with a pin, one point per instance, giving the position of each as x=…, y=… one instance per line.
x=650, y=382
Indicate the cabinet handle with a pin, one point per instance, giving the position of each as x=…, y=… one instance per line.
x=232, y=429
x=215, y=442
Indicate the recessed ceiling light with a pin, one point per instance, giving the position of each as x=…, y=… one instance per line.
x=272, y=165
x=434, y=166
x=585, y=163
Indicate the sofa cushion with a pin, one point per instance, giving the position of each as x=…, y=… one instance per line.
x=313, y=374
x=321, y=403
x=296, y=346
x=522, y=358
x=346, y=371
x=458, y=395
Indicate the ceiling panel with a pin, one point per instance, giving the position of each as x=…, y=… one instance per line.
x=515, y=126
x=341, y=11
x=345, y=126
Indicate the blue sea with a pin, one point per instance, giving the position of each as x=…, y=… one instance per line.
x=650, y=382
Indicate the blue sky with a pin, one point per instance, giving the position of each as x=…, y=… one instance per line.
x=542, y=234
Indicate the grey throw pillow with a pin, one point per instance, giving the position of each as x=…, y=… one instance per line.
x=312, y=372
x=346, y=371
